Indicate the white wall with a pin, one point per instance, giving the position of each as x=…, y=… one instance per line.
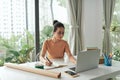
x=92, y=23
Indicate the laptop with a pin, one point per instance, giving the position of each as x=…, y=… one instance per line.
x=87, y=60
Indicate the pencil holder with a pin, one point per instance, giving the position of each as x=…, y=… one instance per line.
x=107, y=60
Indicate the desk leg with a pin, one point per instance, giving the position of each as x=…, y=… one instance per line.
x=117, y=77
x=111, y=79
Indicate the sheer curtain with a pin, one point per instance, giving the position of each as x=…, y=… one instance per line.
x=75, y=16
x=108, y=7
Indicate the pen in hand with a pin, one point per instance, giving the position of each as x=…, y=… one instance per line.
x=48, y=59
x=49, y=64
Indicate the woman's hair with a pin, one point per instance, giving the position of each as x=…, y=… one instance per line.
x=57, y=24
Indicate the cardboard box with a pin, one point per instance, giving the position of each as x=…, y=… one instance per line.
x=101, y=60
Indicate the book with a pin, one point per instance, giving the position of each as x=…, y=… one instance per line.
x=92, y=48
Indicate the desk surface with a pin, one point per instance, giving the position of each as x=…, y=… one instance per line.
x=100, y=73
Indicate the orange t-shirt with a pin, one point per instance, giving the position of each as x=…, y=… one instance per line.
x=55, y=49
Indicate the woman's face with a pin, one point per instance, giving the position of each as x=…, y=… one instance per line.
x=59, y=33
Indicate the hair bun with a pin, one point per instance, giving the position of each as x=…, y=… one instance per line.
x=55, y=21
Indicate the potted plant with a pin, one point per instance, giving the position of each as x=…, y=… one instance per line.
x=18, y=56
x=116, y=55
x=17, y=49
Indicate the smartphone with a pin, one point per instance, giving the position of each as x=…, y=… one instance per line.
x=72, y=74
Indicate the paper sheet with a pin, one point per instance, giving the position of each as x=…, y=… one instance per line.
x=54, y=65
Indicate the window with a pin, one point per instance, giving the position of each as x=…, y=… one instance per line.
x=17, y=24
x=16, y=28
x=115, y=31
x=52, y=10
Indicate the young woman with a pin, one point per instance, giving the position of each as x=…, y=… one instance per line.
x=55, y=47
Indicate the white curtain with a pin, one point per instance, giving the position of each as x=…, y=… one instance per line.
x=108, y=7
x=75, y=16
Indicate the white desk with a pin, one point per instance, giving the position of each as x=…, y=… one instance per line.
x=100, y=73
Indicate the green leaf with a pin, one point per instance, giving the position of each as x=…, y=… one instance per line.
x=15, y=53
x=8, y=59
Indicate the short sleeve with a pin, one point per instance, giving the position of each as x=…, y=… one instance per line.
x=44, y=46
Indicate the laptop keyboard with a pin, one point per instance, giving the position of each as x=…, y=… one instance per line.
x=73, y=68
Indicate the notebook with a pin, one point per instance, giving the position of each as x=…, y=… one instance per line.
x=54, y=65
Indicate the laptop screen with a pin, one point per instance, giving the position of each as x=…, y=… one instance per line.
x=87, y=60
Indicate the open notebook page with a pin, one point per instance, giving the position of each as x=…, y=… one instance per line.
x=56, y=64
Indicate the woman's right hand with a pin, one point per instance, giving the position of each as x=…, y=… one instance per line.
x=45, y=61
x=48, y=63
